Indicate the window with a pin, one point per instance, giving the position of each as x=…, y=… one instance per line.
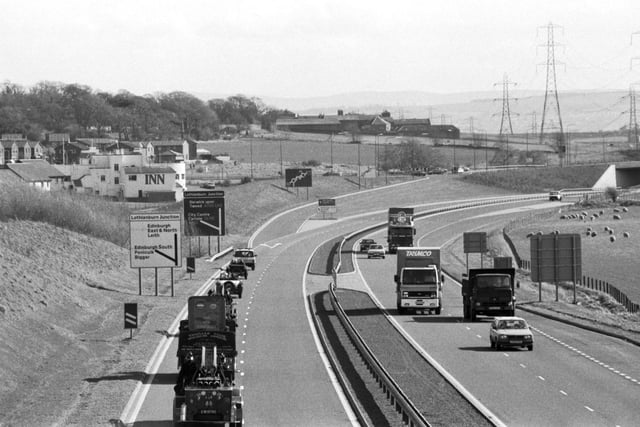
x=103, y=178
x=116, y=167
x=116, y=180
x=133, y=177
x=177, y=176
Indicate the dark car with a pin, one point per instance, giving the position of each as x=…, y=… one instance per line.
x=365, y=243
x=237, y=268
x=437, y=171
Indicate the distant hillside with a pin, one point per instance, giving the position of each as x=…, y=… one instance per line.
x=581, y=111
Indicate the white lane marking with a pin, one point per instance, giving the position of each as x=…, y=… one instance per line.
x=585, y=355
x=563, y=392
x=450, y=378
x=133, y=406
x=479, y=336
x=542, y=378
x=589, y=409
x=524, y=366
x=327, y=365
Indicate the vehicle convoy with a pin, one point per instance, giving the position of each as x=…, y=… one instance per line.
x=510, y=332
x=247, y=255
x=237, y=268
x=400, y=228
x=229, y=283
x=488, y=291
x=205, y=392
x=419, y=279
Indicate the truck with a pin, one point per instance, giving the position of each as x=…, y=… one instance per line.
x=206, y=392
x=418, y=279
x=488, y=292
x=400, y=228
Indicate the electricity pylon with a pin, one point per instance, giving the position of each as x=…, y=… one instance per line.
x=551, y=88
x=506, y=111
x=632, y=134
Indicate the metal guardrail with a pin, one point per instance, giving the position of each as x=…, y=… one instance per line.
x=403, y=405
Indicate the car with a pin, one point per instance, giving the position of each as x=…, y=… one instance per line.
x=365, y=243
x=510, y=331
x=376, y=250
x=437, y=171
x=208, y=185
x=247, y=255
x=237, y=268
x=555, y=195
x=227, y=283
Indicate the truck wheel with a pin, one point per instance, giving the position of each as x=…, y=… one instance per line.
x=438, y=310
x=491, y=342
x=401, y=310
x=473, y=315
x=253, y=267
x=530, y=347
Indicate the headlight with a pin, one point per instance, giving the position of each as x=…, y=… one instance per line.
x=527, y=337
x=405, y=294
x=503, y=337
x=477, y=303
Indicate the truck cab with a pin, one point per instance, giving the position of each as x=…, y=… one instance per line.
x=488, y=292
x=418, y=280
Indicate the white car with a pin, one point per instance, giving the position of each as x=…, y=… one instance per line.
x=555, y=195
x=376, y=250
x=510, y=331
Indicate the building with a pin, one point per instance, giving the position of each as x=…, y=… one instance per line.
x=15, y=147
x=38, y=174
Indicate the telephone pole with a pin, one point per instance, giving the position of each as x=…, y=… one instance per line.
x=506, y=111
x=632, y=134
x=551, y=89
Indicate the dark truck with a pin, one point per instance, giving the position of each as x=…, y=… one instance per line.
x=490, y=292
x=206, y=392
x=400, y=229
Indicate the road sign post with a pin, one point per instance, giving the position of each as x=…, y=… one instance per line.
x=204, y=215
x=130, y=317
x=155, y=242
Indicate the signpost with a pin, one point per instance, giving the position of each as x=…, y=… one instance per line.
x=298, y=177
x=327, y=206
x=155, y=242
x=204, y=214
x=130, y=317
x=475, y=242
x=556, y=258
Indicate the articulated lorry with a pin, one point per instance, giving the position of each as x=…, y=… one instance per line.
x=206, y=392
x=489, y=292
x=400, y=228
x=418, y=279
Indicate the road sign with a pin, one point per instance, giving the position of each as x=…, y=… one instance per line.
x=299, y=177
x=130, y=315
x=155, y=240
x=556, y=258
x=475, y=242
x=191, y=264
x=204, y=213
x=327, y=206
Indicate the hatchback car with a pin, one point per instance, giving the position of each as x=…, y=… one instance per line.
x=510, y=331
x=365, y=243
x=376, y=250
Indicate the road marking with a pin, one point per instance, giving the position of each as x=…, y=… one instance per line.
x=524, y=366
x=586, y=356
x=542, y=378
x=563, y=392
x=589, y=409
x=479, y=336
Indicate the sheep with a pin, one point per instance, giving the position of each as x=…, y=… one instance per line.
x=612, y=238
x=626, y=234
x=617, y=217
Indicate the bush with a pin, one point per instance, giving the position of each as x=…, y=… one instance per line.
x=311, y=163
x=611, y=193
x=245, y=180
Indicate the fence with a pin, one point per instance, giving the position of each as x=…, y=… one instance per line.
x=587, y=282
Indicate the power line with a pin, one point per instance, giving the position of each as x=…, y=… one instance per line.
x=506, y=111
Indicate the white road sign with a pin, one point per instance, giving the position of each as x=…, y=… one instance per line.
x=155, y=240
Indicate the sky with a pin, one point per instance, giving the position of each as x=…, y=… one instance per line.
x=299, y=48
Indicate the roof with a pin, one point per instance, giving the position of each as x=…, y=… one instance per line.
x=96, y=141
x=35, y=171
x=165, y=143
x=130, y=170
x=333, y=120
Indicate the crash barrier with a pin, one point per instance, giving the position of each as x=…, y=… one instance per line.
x=410, y=414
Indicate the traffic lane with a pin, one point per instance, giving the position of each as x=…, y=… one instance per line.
x=284, y=379
x=450, y=325
x=516, y=385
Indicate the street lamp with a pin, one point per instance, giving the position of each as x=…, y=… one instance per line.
x=251, y=156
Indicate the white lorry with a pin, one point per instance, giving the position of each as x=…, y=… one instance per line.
x=419, y=280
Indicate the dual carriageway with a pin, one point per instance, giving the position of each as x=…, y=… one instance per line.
x=574, y=377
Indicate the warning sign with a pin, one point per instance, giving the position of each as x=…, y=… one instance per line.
x=155, y=240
